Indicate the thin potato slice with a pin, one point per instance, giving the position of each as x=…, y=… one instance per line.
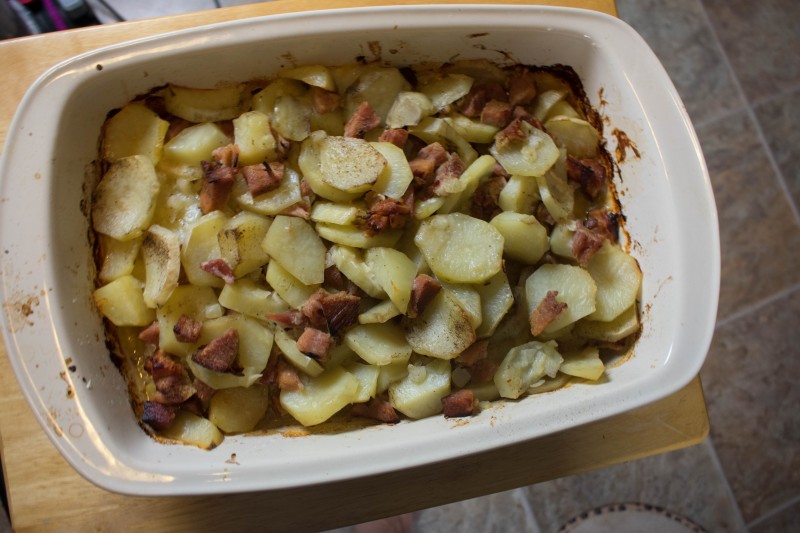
x=289, y=288
x=468, y=297
x=496, y=300
x=321, y=397
x=444, y=90
x=443, y=330
x=519, y=195
x=192, y=429
x=253, y=135
x=394, y=272
x=194, y=144
x=627, y=323
x=584, y=364
x=246, y=297
x=576, y=135
x=122, y=302
x=314, y=75
x=239, y=409
x=272, y=202
x=378, y=344
x=380, y=313
x=420, y=393
x=350, y=262
x=240, y=242
x=532, y=156
x=408, y=109
x=118, y=257
x=292, y=242
x=439, y=130
x=161, y=249
x=310, y=165
x=199, y=303
x=125, y=199
x=339, y=214
x=355, y=237
x=396, y=176
x=349, y=164
x=135, y=130
x=206, y=105
x=367, y=376
x=524, y=366
x=379, y=87
x=202, y=245
x=575, y=287
x=460, y=248
x=298, y=359
x=524, y=238
x=618, y=279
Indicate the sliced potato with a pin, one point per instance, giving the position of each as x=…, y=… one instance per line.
x=380, y=313
x=272, y=202
x=389, y=374
x=202, y=245
x=135, y=130
x=206, y=105
x=393, y=272
x=292, y=242
x=627, y=323
x=240, y=242
x=255, y=339
x=557, y=194
x=239, y=409
x=519, y=195
x=314, y=75
x=192, y=429
x=584, y=364
x=118, y=257
x=396, y=176
x=339, y=214
x=576, y=135
x=379, y=87
x=475, y=174
x=532, y=156
x=355, y=237
x=443, y=330
x=446, y=89
x=310, y=164
x=575, y=287
x=378, y=344
x=350, y=262
x=223, y=380
x=561, y=240
x=546, y=100
x=253, y=135
x=246, y=297
x=321, y=397
x=472, y=130
x=408, y=109
x=264, y=100
x=289, y=288
x=618, y=279
x=469, y=299
x=496, y=300
x=460, y=248
x=524, y=238
x=161, y=249
x=419, y=394
x=349, y=164
x=298, y=359
x=122, y=302
x=195, y=144
x=292, y=117
x=199, y=303
x=524, y=366
x=367, y=376
x=439, y=130
x=125, y=199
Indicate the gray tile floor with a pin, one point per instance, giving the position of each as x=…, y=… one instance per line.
x=736, y=64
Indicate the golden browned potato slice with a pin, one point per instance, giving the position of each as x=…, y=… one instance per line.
x=443, y=330
x=206, y=105
x=122, y=302
x=161, y=249
x=125, y=199
x=321, y=397
x=135, y=130
x=292, y=242
x=420, y=393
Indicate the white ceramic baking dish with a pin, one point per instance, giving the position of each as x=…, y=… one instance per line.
x=55, y=337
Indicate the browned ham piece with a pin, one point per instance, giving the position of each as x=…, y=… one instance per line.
x=423, y=290
x=204, y=391
x=170, y=378
x=521, y=87
x=219, y=176
x=263, y=178
x=484, y=200
x=377, y=409
x=151, y=334
x=479, y=95
x=324, y=101
x=426, y=162
x=158, y=416
x=446, y=174
x=546, y=311
x=477, y=350
x=496, y=113
x=589, y=236
x=363, y=120
x=219, y=354
x=315, y=343
x=459, y=403
x=187, y=329
x=482, y=371
x=293, y=318
x=332, y=311
x=219, y=268
x=288, y=378
x=397, y=137
x=588, y=174
x=386, y=213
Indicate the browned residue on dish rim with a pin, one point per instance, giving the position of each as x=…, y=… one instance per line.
x=624, y=143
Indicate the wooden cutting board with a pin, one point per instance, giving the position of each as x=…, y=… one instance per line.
x=46, y=494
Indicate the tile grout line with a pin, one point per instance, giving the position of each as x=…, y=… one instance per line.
x=775, y=511
x=760, y=304
x=718, y=465
x=752, y=115
x=731, y=112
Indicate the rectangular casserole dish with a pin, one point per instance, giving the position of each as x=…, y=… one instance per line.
x=55, y=336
